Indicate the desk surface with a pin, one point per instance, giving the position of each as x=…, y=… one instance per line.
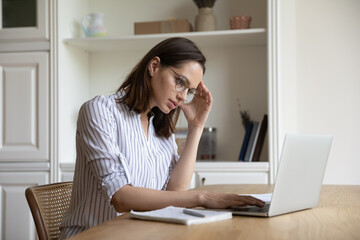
x=336, y=217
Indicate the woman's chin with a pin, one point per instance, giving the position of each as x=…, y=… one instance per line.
x=167, y=109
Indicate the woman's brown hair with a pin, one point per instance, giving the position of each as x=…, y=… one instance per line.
x=137, y=85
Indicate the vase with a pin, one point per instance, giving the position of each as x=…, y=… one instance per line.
x=205, y=20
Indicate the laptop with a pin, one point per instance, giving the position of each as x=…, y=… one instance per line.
x=299, y=178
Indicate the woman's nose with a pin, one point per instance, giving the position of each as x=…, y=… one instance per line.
x=182, y=95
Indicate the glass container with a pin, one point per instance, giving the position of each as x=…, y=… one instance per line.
x=207, y=145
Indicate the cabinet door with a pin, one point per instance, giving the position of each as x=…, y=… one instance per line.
x=24, y=106
x=16, y=221
x=24, y=19
x=208, y=178
x=67, y=176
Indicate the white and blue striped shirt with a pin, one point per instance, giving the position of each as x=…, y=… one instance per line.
x=113, y=151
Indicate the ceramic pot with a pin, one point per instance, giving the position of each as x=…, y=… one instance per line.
x=93, y=25
x=205, y=20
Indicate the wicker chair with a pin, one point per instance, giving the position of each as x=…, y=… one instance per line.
x=48, y=204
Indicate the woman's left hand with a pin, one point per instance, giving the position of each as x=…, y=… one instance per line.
x=196, y=112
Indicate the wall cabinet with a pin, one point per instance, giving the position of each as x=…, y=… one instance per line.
x=231, y=173
x=26, y=152
x=25, y=137
x=24, y=108
x=16, y=221
x=24, y=20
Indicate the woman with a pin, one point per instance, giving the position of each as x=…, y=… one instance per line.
x=126, y=151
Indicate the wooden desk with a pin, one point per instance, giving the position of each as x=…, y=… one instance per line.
x=336, y=217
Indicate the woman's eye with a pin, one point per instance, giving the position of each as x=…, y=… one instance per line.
x=192, y=91
x=180, y=82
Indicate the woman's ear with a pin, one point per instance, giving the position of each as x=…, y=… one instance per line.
x=154, y=65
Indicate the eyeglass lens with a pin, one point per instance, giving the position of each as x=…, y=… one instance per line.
x=180, y=87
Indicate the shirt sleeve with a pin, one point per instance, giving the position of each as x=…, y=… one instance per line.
x=173, y=162
x=97, y=133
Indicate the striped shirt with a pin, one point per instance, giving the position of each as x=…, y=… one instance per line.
x=113, y=151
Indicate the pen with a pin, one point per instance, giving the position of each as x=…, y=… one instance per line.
x=193, y=213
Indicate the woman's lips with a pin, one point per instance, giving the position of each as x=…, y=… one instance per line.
x=173, y=104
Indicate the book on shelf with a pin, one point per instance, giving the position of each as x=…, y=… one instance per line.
x=254, y=142
x=181, y=215
x=251, y=143
x=260, y=140
x=249, y=126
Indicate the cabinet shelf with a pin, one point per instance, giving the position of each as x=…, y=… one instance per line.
x=244, y=37
x=232, y=166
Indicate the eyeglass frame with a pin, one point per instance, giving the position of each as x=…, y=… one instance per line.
x=180, y=87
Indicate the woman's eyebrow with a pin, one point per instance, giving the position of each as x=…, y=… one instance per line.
x=184, y=78
x=187, y=81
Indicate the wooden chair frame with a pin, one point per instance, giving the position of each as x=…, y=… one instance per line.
x=48, y=204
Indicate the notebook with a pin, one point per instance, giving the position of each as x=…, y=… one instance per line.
x=299, y=178
x=181, y=215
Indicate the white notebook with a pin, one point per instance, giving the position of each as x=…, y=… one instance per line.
x=177, y=215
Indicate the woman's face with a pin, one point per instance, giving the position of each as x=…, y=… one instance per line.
x=163, y=82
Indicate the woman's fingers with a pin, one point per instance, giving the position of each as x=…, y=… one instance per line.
x=248, y=200
x=203, y=92
x=242, y=200
x=220, y=200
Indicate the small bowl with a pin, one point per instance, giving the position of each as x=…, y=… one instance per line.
x=240, y=22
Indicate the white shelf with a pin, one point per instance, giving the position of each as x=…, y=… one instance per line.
x=220, y=166
x=231, y=38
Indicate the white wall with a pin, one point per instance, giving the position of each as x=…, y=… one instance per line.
x=319, y=75
x=74, y=78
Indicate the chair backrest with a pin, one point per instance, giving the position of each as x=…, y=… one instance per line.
x=48, y=203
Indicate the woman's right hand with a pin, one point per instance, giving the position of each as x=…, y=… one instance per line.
x=197, y=111
x=224, y=200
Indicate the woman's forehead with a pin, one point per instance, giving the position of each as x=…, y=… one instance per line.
x=192, y=72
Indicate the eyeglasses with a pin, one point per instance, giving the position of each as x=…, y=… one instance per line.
x=182, y=84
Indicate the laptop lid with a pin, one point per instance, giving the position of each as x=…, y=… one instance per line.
x=300, y=173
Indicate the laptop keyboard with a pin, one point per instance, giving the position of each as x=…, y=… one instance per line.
x=253, y=208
